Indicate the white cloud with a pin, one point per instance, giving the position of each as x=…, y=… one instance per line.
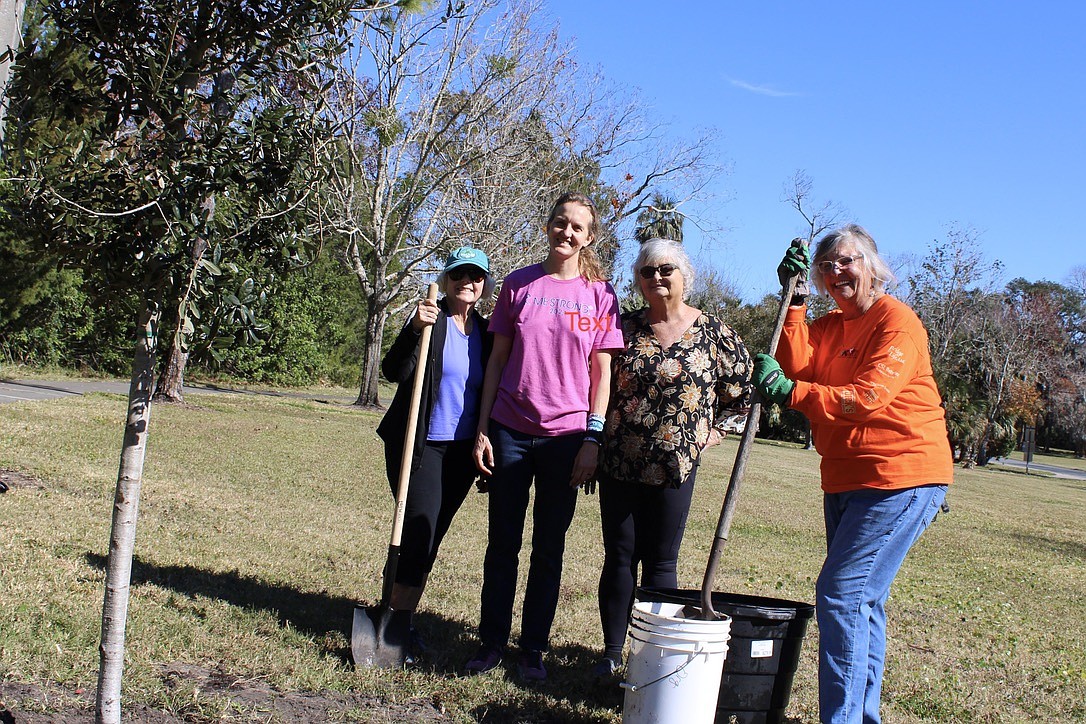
x=762, y=90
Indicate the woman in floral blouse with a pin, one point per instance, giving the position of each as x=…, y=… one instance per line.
x=682, y=377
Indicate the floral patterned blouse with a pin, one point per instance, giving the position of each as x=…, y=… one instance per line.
x=664, y=402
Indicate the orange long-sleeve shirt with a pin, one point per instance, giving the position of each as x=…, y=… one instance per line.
x=866, y=385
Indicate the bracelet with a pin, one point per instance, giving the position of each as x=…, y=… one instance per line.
x=595, y=422
x=594, y=436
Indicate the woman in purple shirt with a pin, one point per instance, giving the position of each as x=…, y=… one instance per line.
x=555, y=327
x=442, y=469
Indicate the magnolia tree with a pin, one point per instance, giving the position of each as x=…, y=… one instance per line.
x=157, y=142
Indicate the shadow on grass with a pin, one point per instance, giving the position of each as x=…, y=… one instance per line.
x=319, y=615
x=315, y=614
x=570, y=683
x=449, y=643
x=1069, y=548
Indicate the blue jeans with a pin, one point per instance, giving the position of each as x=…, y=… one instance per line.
x=868, y=534
x=519, y=458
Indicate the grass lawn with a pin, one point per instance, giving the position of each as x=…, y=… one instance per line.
x=263, y=519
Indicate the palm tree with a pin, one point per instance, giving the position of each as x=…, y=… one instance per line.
x=660, y=220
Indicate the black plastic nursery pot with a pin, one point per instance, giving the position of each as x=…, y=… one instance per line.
x=763, y=653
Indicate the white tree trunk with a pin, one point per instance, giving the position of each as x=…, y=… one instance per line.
x=11, y=36
x=122, y=536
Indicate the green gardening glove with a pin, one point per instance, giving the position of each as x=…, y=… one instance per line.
x=797, y=261
x=770, y=381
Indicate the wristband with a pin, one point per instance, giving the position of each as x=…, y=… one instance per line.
x=594, y=436
x=595, y=422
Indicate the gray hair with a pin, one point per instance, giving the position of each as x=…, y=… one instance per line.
x=488, y=284
x=656, y=250
x=857, y=236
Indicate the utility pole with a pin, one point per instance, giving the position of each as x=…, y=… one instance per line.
x=11, y=35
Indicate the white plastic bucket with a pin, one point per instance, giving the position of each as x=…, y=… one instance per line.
x=669, y=618
x=673, y=674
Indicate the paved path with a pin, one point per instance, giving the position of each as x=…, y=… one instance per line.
x=1068, y=473
x=15, y=390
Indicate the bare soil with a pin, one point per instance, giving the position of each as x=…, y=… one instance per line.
x=223, y=697
x=12, y=479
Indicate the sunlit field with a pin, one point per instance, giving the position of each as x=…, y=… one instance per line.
x=263, y=520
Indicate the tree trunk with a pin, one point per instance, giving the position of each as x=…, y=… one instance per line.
x=122, y=535
x=172, y=381
x=371, y=357
x=11, y=37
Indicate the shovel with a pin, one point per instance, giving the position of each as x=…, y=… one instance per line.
x=378, y=636
x=731, y=496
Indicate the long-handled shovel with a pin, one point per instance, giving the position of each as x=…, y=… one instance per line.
x=377, y=637
x=740, y=466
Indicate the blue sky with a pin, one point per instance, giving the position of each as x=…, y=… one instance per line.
x=915, y=117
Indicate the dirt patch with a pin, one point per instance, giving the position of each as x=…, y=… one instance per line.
x=209, y=695
x=15, y=479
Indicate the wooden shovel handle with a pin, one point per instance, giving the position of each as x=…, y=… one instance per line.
x=731, y=497
x=412, y=424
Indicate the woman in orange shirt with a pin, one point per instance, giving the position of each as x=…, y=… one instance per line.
x=862, y=375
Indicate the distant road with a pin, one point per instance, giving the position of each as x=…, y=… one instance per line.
x=1069, y=473
x=16, y=390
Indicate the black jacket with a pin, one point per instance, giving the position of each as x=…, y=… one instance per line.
x=399, y=366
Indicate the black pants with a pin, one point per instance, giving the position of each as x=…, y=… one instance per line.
x=436, y=491
x=642, y=524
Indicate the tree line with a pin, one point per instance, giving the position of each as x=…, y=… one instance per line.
x=274, y=190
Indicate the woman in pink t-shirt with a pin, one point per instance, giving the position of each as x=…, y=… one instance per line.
x=544, y=396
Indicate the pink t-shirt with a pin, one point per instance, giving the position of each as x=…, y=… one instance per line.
x=554, y=324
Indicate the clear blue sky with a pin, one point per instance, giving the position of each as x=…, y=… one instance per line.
x=915, y=117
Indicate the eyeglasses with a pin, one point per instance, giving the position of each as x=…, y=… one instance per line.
x=474, y=273
x=828, y=267
x=648, y=272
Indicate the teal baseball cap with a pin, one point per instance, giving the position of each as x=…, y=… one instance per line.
x=466, y=255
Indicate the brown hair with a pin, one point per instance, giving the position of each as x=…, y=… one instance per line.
x=588, y=262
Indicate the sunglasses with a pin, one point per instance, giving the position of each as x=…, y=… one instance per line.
x=827, y=267
x=474, y=273
x=648, y=272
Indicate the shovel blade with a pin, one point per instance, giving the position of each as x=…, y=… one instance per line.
x=379, y=637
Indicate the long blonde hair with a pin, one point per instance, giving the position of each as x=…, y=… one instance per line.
x=588, y=262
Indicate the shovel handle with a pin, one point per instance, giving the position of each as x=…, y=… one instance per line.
x=746, y=443
x=408, y=448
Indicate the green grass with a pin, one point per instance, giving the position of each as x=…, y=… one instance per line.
x=262, y=521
